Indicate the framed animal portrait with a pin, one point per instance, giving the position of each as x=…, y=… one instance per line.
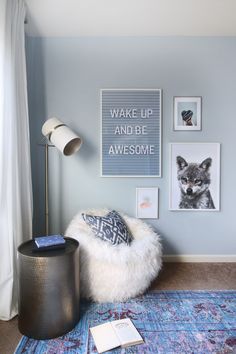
x=195, y=176
x=147, y=203
x=187, y=113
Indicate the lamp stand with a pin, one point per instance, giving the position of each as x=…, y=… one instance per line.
x=46, y=191
x=62, y=137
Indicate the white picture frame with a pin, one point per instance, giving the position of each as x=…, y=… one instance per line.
x=205, y=176
x=187, y=113
x=147, y=199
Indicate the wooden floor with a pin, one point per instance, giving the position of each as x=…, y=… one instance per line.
x=173, y=276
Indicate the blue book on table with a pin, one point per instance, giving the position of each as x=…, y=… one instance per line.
x=48, y=241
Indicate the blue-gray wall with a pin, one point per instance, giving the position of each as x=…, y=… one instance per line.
x=64, y=79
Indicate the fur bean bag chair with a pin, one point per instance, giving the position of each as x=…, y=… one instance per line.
x=110, y=273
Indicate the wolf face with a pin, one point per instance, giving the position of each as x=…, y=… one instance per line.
x=194, y=180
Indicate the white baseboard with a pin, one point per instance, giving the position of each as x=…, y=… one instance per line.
x=198, y=258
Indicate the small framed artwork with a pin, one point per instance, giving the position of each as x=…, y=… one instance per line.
x=187, y=113
x=147, y=203
x=195, y=176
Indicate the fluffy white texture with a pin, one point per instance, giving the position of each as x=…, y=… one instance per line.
x=111, y=273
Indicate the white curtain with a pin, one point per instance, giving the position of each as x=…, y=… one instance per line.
x=15, y=169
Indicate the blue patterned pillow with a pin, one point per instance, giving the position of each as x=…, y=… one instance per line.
x=111, y=227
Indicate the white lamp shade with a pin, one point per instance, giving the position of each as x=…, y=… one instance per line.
x=61, y=136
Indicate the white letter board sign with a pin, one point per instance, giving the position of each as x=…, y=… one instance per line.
x=131, y=132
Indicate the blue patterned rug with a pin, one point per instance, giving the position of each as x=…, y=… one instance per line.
x=170, y=322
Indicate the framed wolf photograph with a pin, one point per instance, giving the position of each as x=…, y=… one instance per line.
x=187, y=113
x=195, y=176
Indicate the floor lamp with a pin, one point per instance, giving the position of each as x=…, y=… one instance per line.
x=65, y=140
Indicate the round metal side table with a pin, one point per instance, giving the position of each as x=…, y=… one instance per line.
x=48, y=290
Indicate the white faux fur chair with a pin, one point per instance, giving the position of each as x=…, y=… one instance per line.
x=111, y=273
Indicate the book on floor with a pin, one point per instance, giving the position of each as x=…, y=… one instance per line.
x=110, y=335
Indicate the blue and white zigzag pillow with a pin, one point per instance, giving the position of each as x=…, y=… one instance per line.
x=111, y=227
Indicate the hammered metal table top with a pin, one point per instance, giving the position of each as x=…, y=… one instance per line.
x=26, y=249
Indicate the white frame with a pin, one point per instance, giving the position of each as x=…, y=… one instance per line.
x=217, y=206
x=154, y=214
x=187, y=99
x=160, y=155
